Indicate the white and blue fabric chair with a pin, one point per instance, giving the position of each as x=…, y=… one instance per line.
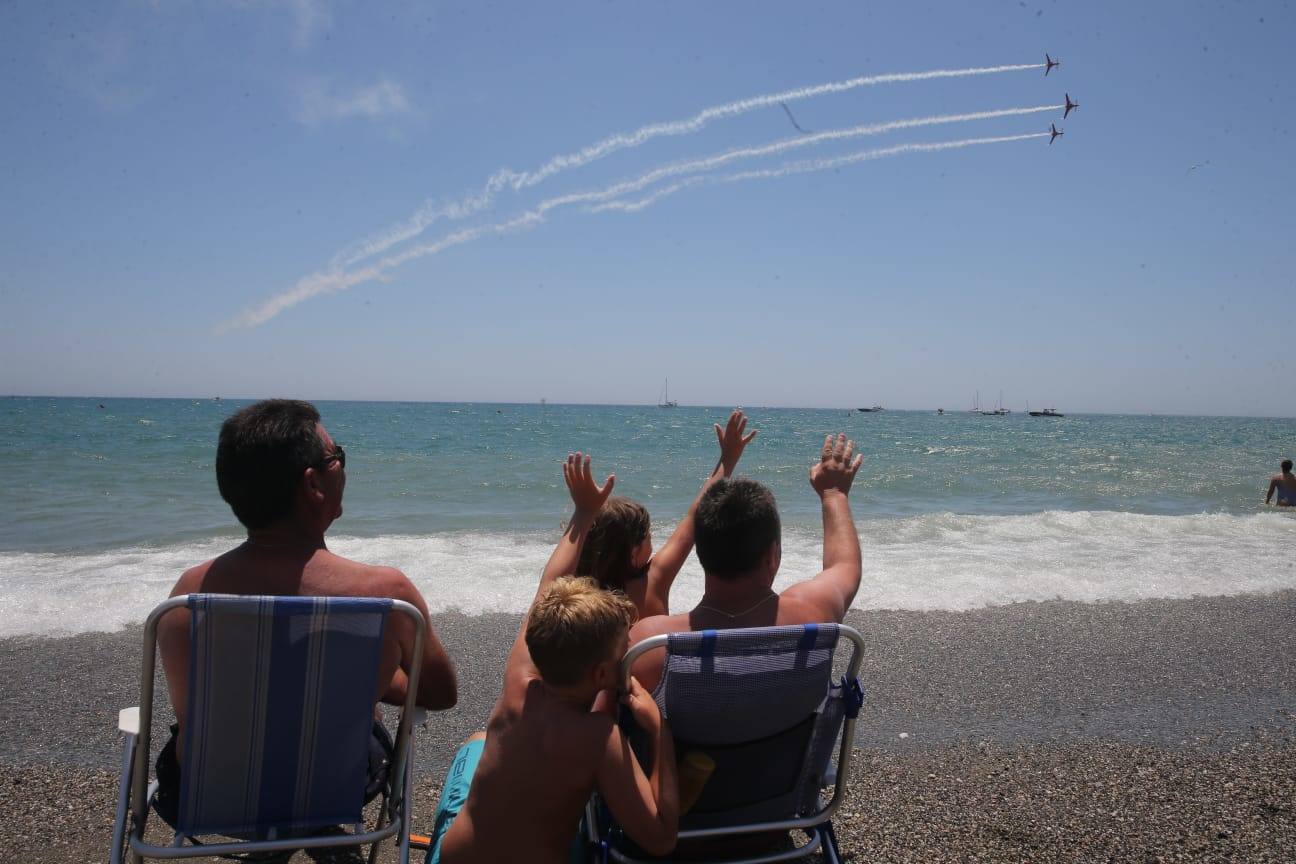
x=278, y=724
x=764, y=705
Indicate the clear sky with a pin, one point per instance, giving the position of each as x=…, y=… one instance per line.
x=168, y=168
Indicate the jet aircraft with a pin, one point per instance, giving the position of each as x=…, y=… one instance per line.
x=1049, y=63
x=1055, y=134
x=1070, y=106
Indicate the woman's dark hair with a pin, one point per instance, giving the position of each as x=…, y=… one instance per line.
x=262, y=453
x=617, y=531
x=736, y=523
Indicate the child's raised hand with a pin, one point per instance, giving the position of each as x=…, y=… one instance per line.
x=587, y=495
x=732, y=440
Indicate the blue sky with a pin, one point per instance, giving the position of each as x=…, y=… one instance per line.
x=165, y=167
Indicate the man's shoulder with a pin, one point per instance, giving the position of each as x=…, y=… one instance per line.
x=370, y=580
x=191, y=580
x=804, y=607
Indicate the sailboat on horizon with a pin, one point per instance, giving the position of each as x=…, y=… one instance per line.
x=666, y=401
x=999, y=410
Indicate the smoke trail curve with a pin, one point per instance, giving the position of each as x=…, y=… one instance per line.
x=517, y=181
x=335, y=282
x=802, y=167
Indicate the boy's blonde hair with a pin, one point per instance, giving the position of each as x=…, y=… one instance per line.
x=574, y=625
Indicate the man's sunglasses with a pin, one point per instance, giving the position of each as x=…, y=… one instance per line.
x=338, y=455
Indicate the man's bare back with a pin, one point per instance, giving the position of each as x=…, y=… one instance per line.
x=1284, y=483
x=304, y=572
x=748, y=599
x=285, y=553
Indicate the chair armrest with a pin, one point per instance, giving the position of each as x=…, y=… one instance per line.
x=128, y=720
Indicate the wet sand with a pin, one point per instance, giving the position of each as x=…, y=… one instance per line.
x=1159, y=730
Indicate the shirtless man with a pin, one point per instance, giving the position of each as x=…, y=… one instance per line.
x=283, y=477
x=737, y=533
x=1284, y=484
x=516, y=793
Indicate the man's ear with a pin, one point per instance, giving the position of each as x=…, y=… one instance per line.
x=310, y=485
x=773, y=558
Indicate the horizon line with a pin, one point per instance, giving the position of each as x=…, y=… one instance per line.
x=719, y=407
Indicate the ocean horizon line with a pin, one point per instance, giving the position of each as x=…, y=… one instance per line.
x=853, y=409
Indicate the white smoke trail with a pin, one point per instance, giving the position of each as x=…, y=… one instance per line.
x=802, y=167
x=325, y=282
x=517, y=181
x=697, y=166
x=338, y=281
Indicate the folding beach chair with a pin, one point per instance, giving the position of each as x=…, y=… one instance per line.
x=278, y=728
x=763, y=705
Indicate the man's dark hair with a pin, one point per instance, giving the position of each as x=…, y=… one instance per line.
x=1286, y=464
x=262, y=453
x=735, y=524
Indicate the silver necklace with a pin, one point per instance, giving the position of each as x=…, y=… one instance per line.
x=746, y=611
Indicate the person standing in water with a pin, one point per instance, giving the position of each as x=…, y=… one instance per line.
x=1284, y=484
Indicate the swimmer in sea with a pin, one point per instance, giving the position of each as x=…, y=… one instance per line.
x=1284, y=484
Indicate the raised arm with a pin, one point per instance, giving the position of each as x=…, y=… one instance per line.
x=831, y=592
x=666, y=564
x=646, y=807
x=587, y=499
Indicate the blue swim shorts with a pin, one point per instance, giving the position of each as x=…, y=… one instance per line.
x=455, y=792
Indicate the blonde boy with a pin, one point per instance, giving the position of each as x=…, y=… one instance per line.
x=517, y=792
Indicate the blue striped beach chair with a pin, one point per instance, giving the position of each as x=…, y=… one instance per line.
x=278, y=727
x=763, y=705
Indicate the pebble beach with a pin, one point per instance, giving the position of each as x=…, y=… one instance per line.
x=1160, y=730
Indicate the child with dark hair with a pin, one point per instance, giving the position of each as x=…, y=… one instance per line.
x=618, y=553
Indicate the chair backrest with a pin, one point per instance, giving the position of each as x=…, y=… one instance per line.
x=280, y=712
x=763, y=705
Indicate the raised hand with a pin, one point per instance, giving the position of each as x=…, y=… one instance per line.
x=835, y=470
x=732, y=440
x=587, y=495
x=642, y=707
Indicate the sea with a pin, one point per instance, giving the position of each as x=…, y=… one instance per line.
x=104, y=502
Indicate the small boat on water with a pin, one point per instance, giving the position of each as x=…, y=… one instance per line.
x=666, y=401
x=999, y=410
x=870, y=410
x=1047, y=412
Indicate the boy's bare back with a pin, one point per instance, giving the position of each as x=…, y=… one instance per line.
x=545, y=750
x=534, y=778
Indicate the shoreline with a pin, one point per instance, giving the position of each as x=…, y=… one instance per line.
x=996, y=733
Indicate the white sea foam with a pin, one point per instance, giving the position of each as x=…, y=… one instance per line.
x=929, y=562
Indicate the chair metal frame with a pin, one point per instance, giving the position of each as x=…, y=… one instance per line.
x=135, y=793
x=817, y=825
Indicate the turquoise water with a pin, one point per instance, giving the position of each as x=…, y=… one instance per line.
x=466, y=497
